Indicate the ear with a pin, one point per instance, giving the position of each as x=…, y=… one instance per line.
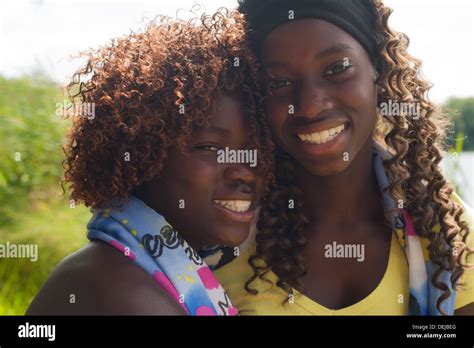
x=375, y=76
x=375, y=73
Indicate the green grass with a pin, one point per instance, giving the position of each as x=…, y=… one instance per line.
x=57, y=229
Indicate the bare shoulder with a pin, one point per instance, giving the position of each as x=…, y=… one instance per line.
x=99, y=280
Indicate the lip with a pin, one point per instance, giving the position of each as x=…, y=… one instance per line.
x=331, y=148
x=234, y=216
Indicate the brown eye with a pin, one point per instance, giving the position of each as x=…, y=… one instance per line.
x=207, y=147
x=339, y=68
x=279, y=87
x=280, y=84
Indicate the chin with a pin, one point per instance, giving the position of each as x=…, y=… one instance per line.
x=232, y=237
x=327, y=168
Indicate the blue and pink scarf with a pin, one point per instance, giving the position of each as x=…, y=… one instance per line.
x=145, y=237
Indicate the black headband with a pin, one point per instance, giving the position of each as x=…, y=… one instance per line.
x=357, y=17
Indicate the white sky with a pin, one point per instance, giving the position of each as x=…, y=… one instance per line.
x=45, y=33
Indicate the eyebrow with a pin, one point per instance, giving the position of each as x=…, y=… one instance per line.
x=334, y=49
x=212, y=129
x=338, y=48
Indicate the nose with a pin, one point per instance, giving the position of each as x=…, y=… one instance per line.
x=311, y=99
x=242, y=175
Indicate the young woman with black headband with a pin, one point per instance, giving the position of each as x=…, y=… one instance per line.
x=360, y=219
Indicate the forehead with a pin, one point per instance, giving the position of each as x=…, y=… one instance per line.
x=227, y=114
x=303, y=37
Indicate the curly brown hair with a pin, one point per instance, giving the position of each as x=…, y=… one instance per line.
x=417, y=147
x=138, y=84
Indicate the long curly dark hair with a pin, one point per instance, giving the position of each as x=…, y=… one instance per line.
x=417, y=147
x=140, y=84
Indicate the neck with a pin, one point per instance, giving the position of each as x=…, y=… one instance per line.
x=147, y=196
x=345, y=198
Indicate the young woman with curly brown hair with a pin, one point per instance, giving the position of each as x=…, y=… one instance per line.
x=167, y=101
x=361, y=220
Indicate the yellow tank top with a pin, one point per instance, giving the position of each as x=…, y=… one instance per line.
x=390, y=297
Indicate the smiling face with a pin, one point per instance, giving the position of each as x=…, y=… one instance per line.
x=207, y=202
x=321, y=101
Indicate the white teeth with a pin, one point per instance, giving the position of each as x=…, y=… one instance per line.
x=323, y=136
x=239, y=206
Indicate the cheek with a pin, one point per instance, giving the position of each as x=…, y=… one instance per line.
x=277, y=114
x=359, y=95
x=359, y=92
x=197, y=179
x=189, y=179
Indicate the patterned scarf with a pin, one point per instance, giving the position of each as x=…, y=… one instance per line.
x=423, y=294
x=145, y=237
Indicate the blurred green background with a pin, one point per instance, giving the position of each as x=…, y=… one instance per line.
x=32, y=206
x=33, y=209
